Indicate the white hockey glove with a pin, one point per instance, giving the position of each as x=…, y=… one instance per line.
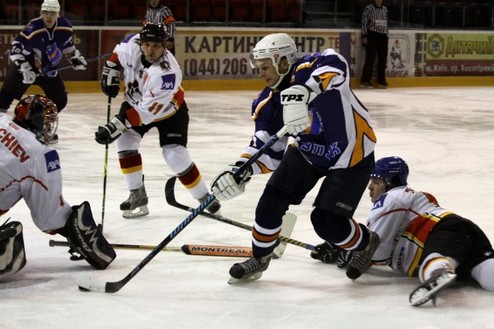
x=78, y=61
x=110, y=79
x=295, y=102
x=112, y=130
x=225, y=187
x=28, y=74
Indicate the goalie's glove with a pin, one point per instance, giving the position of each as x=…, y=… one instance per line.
x=112, y=130
x=28, y=74
x=331, y=254
x=295, y=102
x=110, y=79
x=225, y=186
x=78, y=61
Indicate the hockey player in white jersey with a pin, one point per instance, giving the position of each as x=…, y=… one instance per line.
x=418, y=237
x=153, y=97
x=31, y=170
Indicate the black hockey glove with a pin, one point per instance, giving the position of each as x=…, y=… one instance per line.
x=330, y=254
x=112, y=130
x=110, y=79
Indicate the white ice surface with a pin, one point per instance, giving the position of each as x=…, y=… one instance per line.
x=445, y=134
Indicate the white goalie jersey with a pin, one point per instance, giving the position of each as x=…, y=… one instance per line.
x=155, y=92
x=31, y=171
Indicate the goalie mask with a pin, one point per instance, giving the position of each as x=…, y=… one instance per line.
x=38, y=114
x=275, y=46
x=392, y=170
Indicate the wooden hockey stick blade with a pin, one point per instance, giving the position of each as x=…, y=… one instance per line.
x=54, y=243
x=225, y=251
x=171, y=200
x=188, y=249
x=286, y=230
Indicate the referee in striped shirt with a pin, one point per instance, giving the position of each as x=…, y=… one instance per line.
x=375, y=40
x=157, y=13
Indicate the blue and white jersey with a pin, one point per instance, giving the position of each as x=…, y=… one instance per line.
x=43, y=48
x=341, y=133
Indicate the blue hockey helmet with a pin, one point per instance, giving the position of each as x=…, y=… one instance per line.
x=392, y=170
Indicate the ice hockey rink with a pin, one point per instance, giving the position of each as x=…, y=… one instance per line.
x=445, y=134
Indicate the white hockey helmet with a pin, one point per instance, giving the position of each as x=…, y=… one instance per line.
x=275, y=46
x=50, y=5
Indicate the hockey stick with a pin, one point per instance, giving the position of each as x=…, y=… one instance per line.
x=170, y=198
x=188, y=249
x=87, y=283
x=89, y=60
x=105, y=166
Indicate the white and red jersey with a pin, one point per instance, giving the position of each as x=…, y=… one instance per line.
x=31, y=171
x=154, y=92
x=403, y=218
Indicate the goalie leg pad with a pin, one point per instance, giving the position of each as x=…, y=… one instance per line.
x=12, y=253
x=84, y=235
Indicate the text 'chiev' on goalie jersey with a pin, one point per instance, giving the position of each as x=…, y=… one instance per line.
x=31, y=171
x=154, y=92
x=403, y=219
x=340, y=135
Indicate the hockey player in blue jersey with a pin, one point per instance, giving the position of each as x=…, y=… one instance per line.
x=36, y=52
x=312, y=97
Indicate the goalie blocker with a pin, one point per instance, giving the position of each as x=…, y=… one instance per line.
x=12, y=254
x=85, y=237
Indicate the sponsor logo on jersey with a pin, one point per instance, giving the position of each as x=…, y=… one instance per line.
x=168, y=82
x=52, y=161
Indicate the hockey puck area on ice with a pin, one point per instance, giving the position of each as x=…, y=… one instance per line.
x=83, y=289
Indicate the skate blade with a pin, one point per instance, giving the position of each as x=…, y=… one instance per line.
x=137, y=212
x=253, y=277
x=422, y=295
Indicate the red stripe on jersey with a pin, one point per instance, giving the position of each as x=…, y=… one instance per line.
x=133, y=117
x=130, y=164
x=191, y=178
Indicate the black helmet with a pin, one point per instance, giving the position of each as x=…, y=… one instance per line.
x=38, y=114
x=153, y=33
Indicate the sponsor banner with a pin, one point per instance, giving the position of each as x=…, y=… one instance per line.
x=459, y=54
x=401, y=47
x=224, y=54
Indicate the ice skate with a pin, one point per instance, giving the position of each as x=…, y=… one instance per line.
x=136, y=204
x=249, y=270
x=430, y=288
x=214, y=207
x=361, y=260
